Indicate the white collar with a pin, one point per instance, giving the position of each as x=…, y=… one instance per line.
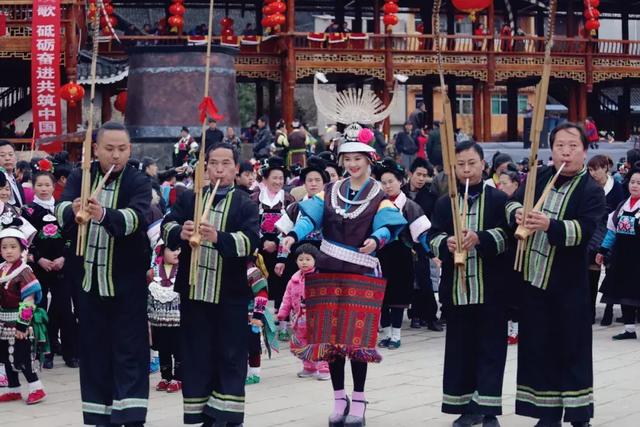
x=608, y=186
x=266, y=199
x=400, y=201
x=47, y=204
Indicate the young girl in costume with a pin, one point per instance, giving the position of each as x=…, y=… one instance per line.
x=21, y=321
x=620, y=246
x=259, y=317
x=47, y=249
x=164, y=316
x=356, y=220
x=293, y=305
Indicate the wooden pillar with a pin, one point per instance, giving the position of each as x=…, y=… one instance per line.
x=259, y=99
x=288, y=80
x=572, y=113
x=257, y=4
x=105, y=111
x=582, y=102
x=486, y=113
x=491, y=24
x=376, y=17
x=339, y=12
x=426, y=8
x=512, y=111
x=451, y=26
x=452, y=90
x=427, y=98
x=272, y=104
x=625, y=27
x=572, y=28
x=388, y=79
x=624, y=105
x=477, y=110
x=357, y=23
x=539, y=23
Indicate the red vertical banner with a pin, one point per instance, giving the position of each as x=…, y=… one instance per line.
x=3, y=24
x=45, y=71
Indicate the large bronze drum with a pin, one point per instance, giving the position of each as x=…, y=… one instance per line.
x=166, y=85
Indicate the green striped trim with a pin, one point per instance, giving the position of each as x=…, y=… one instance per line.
x=226, y=402
x=573, y=232
x=472, y=290
x=436, y=242
x=465, y=399
x=96, y=408
x=243, y=245
x=510, y=208
x=167, y=229
x=59, y=210
x=194, y=405
x=500, y=238
x=100, y=244
x=555, y=399
x=540, y=253
x=123, y=404
x=208, y=287
x=130, y=220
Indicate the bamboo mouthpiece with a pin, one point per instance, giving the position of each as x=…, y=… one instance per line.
x=194, y=241
x=460, y=258
x=82, y=217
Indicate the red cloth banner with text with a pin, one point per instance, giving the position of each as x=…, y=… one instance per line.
x=45, y=72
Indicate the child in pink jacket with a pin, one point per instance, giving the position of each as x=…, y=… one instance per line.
x=293, y=306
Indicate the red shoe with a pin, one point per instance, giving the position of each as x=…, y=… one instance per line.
x=174, y=386
x=10, y=397
x=36, y=397
x=162, y=385
x=512, y=340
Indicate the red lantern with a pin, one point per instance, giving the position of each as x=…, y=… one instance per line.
x=268, y=9
x=390, y=7
x=226, y=22
x=278, y=7
x=120, y=103
x=390, y=20
x=72, y=92
x=177, y=9
x=266, y=22
x=112, y=20
x=471, y=6
x=592, y=3
x=226, y=32
x=591, y=14
x=108, y=8
x=278, y=19
x=592, y=25
x=175, y=21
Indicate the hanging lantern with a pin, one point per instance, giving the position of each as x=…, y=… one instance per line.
x=273, y=11
x=226, y=22
x=592, y=25
x=390, y=20
x=591, y=14
x=390, y=7
x=176, y=20
x=177, y=9
x=278, y=7
x=108, y=8
x=120, y=103
x=471, y=6
x=592, y=3
x=72, y=92
x=111, y=19
x=278, y=19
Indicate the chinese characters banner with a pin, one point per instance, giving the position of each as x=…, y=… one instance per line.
x=45, y=71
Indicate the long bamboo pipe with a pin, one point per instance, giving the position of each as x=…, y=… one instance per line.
x=195, y=239
x=83, y=217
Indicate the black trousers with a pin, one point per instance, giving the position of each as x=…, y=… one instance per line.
x=474, y=358
x=21, y=350
x=114, y=355
x=63, y=321
x=215, y=348
x=555, y=367
x=166, y=340
x=423, y=304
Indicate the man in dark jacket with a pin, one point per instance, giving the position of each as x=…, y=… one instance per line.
x=406, y=146
x=424, y=307
x=417, y=118
x=434, y=147
x=213, y=135
x=263, y=139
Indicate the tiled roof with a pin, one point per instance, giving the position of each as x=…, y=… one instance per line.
x=107, y=70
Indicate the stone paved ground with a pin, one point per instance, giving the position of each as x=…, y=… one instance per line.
x=403, y=391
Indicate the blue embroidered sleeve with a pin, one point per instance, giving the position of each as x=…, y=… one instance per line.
x=312, y=211
x=390, y=218
x=609, y=239
x=422, y=239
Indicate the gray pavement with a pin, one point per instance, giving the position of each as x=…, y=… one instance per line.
x=404, y=390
